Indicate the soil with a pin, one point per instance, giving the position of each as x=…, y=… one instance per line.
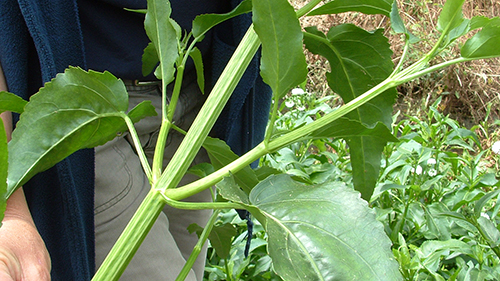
x=467, y=90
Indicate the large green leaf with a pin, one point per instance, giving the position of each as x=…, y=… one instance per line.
x=11, y=102
x=162, y=32
x=322, y=232
x=368, y=7
x=3, y=170
x=359, y=60
x=76, y=110
x=203, y=23
x=484, y=44
x=283, y=63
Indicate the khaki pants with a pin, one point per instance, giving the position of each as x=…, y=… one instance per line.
x=121, y=185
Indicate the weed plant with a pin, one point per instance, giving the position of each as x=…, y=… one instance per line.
x=436, y=195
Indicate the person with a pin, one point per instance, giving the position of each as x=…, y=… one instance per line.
x=61, y=224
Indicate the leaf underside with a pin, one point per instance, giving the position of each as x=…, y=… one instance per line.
x=322, y=232
x=75, y=110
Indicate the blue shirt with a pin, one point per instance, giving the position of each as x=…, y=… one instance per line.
x=114, y=38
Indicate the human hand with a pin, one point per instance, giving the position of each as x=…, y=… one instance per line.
x=23, y=255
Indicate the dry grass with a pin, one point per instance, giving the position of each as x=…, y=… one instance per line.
x=466, y=89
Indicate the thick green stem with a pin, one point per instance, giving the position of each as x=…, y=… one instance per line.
x=210, y=111
x=198, y=247
x=208, y=181
x=129, y=241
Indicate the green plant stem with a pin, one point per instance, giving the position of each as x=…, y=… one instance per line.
x=398, y=68
x=166, y=124
x=270, y=125
x=209, y=112
x=202, y=205
x=401, y=78
x=307, y=7
x=291, y=137
x=198, y=247
x=494, y=248
x=138, y=147
x=215, y=177
x=265, y=148
x=129, y=241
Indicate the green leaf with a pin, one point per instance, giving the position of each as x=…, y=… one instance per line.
x=398, y=25
x=143, y=109
x=11, y=102
x=365, y=144
x=163, y=35
x=490, y=231
x=451, y=16
x=478, y=207
x=203, y=23
x=198, y=64
x=347, y=128
x=3, y=170
x=359, y=60
x=483, y=44
x=201, y=170
x=369, y=7
x=230, y=190
x=322, y=232
x=76, y=110
x=220, y=155
x=220, y=239
x=431, y=252
x=283, y=63
x=482, y=21
x=149, y=59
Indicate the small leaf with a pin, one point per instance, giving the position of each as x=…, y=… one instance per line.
x=75, y=110
x=163, y=35
x=149, y=59
x=483, y=44
x=198, y=64
x=369, y=7
x=478, y=207
x=451, y=16
x=489, y=230
x=322, y=232
x=220, y=155
x=201, y=170
x=203, y=23
x=143, y=109
x=431, y=252
x=3, y=170
x=398, y=25
x=229, y=190
x=220, y=239
x=11, y=102
x=283, y=63
x=482, y=21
